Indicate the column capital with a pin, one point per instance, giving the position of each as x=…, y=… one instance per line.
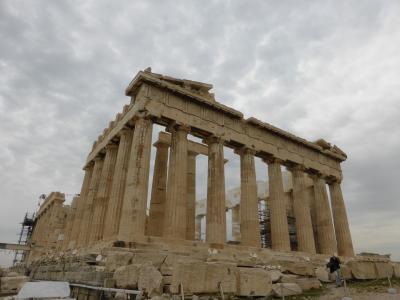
x=98, y=158
x=88, y=165
x=161, y=144
x=124, y=131
x=293, y=167
x=213, y=139
x=245, y=150
x=176, y=126
x=141, y=115
x=272, y=159
x=192, y=153
x=332, y=180
x=111, y=146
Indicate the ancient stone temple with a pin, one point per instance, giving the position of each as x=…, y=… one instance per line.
x=116, y=212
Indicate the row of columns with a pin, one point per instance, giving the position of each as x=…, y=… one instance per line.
x=113, y=198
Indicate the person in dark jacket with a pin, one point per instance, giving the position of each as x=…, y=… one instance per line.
x=334, y=267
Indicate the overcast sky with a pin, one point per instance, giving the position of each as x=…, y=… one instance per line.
x=326, y=69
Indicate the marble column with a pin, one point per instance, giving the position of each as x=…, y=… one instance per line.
x=342, y=230
x=80, y=207
x=216, y=215
x=301, y=210
x=236, y=222
x=158, y=190
x=191, y=196
x=103, y=193
x=133, y=216
x=325, y=231
x=198, y=227
x=279, y=224
x=175, y=206
x=88, y=209
x=116, y=198
x=69, y=223
x=249, y=223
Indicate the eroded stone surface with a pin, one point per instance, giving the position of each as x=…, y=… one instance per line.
x=150, y=279
x=362, y=269
x=286, y=289
x=383, y=270
x=126, y=277
x=204, y=277
x=254, y=282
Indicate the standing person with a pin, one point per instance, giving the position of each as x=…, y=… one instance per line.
x=334, y=267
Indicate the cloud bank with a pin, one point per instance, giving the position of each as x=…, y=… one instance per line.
x=318, y=69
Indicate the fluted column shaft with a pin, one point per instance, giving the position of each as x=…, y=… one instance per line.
x=80, y=207
x=236, y=222
x=191, y=196
x=216, y=215
x=133, y=216
x=103, y=193
x=113, y=215
x=302, y=214
x=279, y=224
x=158, y=190
x=342, y=230
x=175, y=208
x=198, y=227
x=69, y=223
x=88, y=210
x=325, y=231
x=249, y=223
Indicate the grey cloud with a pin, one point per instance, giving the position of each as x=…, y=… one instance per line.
x=318, y=69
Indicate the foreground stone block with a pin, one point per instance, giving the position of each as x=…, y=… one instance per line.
x=204, y=278
x=322, y=274
x=253, y=282
x=118, y=259
x=346, y=272
x=298, y=268
x=150, y=279
x=308, y=283
x=156, y=259
x=396, y=270
x=286, y=289
x=126, y=277
x=362, y=269
x=275, y=275
x=383, y=270
x=12, y=283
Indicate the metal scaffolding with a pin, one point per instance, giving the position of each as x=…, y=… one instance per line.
x=24, y=237
x=265, y=226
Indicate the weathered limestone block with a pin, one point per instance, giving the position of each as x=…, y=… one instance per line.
x=173, y=259
x=322, y=274
x=396, y=269
x=346, y=272
x=286, y=289
x=384, y=270
x=298, y=268
x=204, y=277
x=126, y=277
x=150, y=279
x=253, y=282
x=155, y=258
x=221, y=258
x=118, y=259
x=289, y=278
x=12, y=283
x=362, y=269
x=275, y=275
x=308, y=283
